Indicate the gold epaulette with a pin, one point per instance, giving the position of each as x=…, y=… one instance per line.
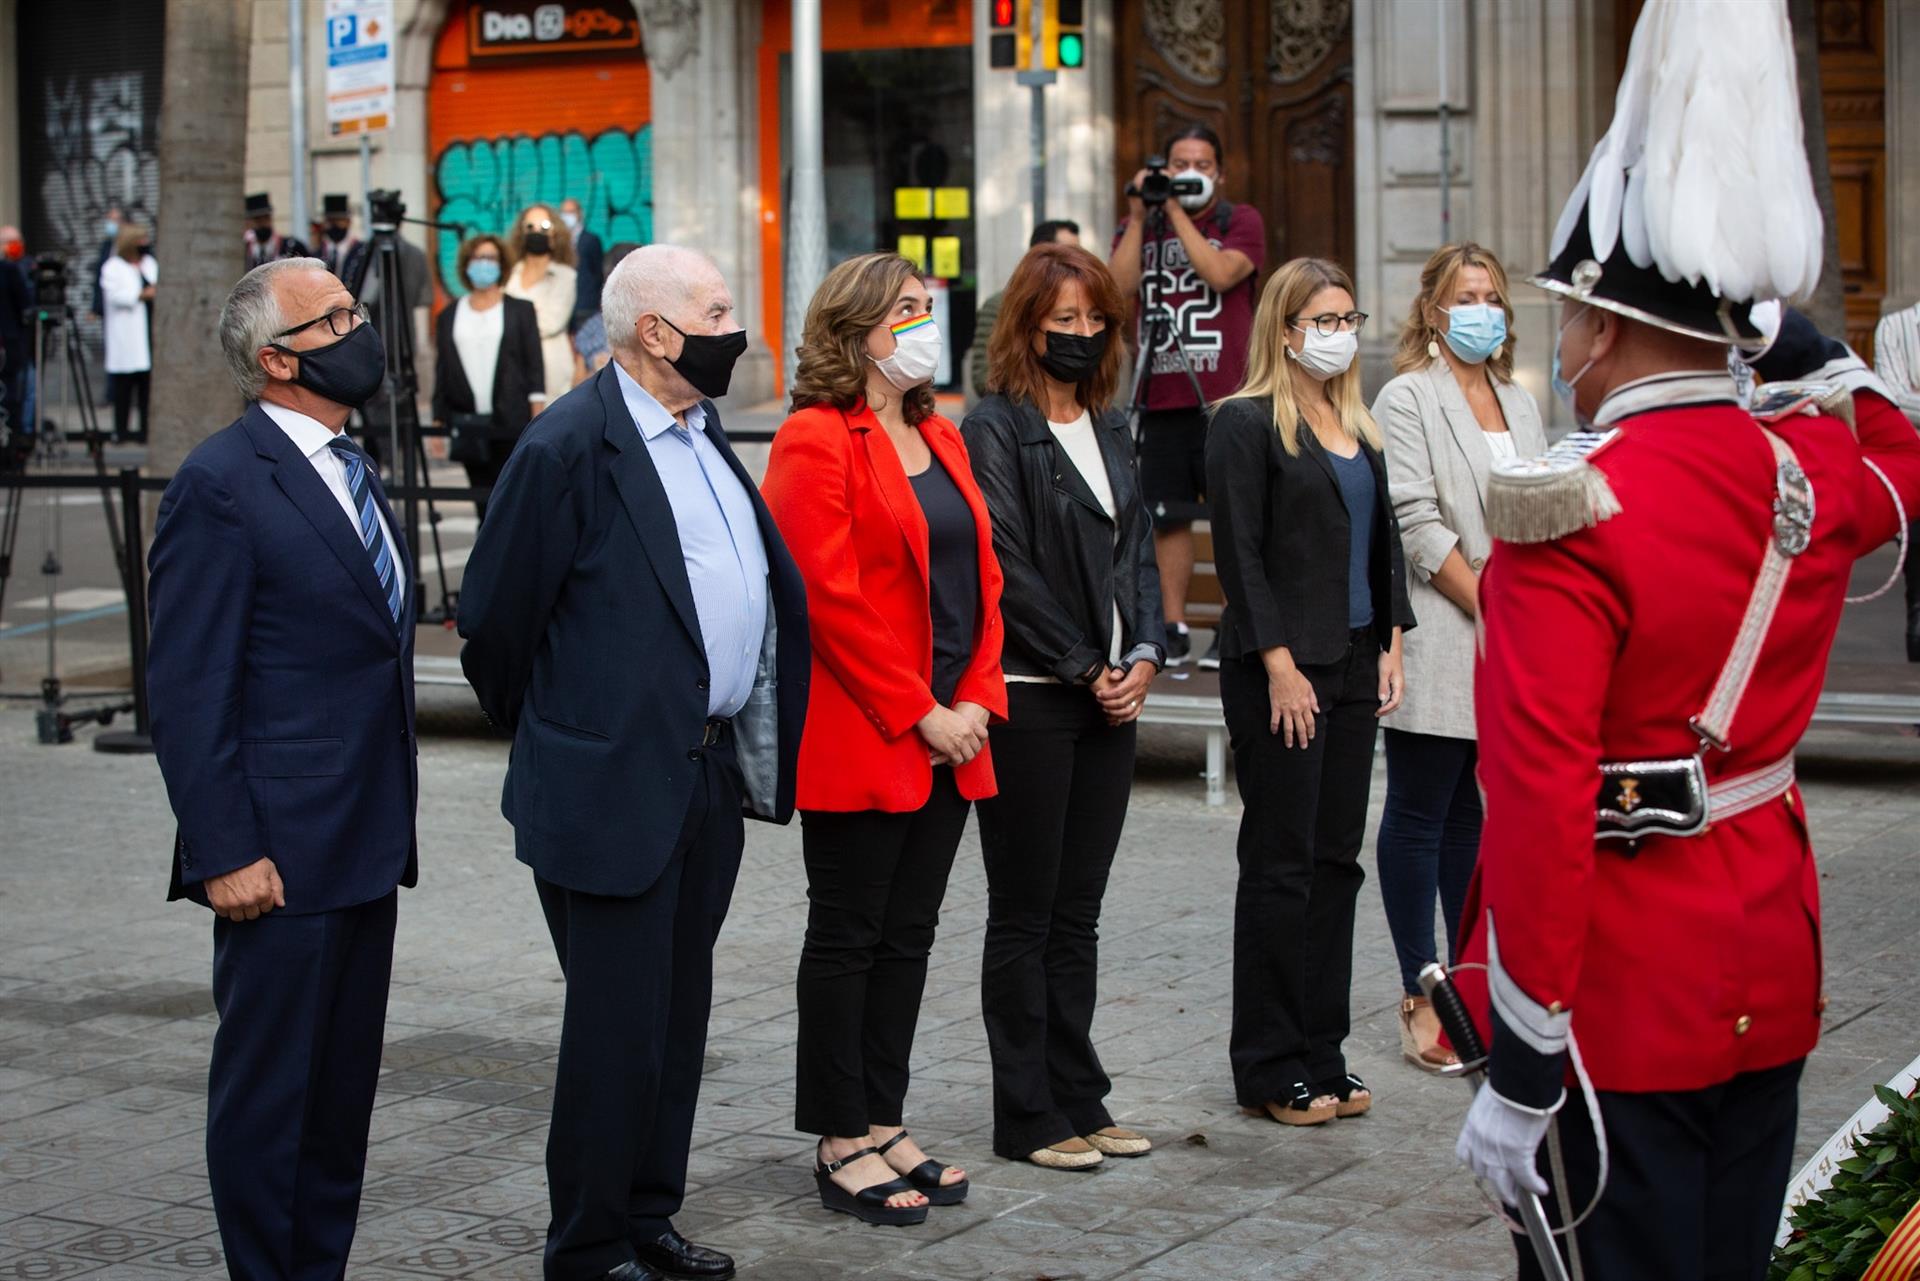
x=1536, y=500
x=1776, y=402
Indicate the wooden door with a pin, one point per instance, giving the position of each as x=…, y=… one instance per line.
x=1274, y=78
x=1853, y=75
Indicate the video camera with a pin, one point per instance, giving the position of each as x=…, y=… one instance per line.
x=385, y=210
x=50, y=277
x=1159, y=186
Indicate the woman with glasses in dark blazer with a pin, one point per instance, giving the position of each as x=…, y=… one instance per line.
x=1084, y=637
x=1310, y=562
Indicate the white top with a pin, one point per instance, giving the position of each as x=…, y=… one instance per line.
x=476, y=336
x=552, y=298
x=1499, y=444
x=124, y=327
x=314, y=439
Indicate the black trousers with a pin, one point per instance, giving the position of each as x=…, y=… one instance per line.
x=634, y=1036
x=874, y=885
x=1696, y=1182
x=130, y=390
x=303, y=1004
x=1299, y=850
x=1048, y=839
x=486, y=475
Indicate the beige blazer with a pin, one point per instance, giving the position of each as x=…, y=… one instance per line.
x=1438, y=462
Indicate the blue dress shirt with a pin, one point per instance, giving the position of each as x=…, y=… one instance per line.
x=719, y=537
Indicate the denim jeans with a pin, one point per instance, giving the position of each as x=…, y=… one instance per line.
x=1429, y=841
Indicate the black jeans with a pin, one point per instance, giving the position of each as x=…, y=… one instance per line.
x=1429, y=842
x=633, y=1037
x=874, y=885
x=1048, y=839
x=130, y=390
x=1695, y=1184
x=1300, y=835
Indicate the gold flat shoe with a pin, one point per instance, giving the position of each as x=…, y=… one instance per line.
x=1068, y=1154
x=1116, y=1140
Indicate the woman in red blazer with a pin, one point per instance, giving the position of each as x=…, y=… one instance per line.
x=875, y=496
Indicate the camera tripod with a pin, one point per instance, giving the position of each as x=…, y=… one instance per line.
x=401, y=391
x=53, y=330
x=1155, y=319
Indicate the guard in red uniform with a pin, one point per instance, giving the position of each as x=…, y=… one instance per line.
x=1656, y=623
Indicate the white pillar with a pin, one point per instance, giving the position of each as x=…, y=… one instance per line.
x=297, y=115
x=1903, y=156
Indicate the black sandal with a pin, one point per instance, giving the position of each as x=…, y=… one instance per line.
x=1300, y=1107
x=869, y=1205
x=1351, y=1092
x=926, y=1177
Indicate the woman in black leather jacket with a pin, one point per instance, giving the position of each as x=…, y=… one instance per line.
x=1084, y=638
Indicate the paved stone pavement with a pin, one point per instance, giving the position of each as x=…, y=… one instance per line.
x=105, y=1022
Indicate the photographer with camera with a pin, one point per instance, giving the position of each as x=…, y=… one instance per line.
x=1189, y=257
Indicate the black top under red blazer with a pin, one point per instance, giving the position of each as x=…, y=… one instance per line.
x=1280, y=541
x=518, y=375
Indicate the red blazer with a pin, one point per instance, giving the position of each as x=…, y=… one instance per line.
x=1695, y=958
x=849, y=516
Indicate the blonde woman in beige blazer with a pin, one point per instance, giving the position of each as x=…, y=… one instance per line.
x=1453, y=409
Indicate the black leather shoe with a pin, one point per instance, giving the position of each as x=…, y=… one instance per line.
x=1913, y=632
x=675, y=1256
x=631, y=1272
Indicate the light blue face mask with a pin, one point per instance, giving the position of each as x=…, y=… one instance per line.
x=1475, y=331
x=1563, y=387
x=110, y=228
x=483, y=273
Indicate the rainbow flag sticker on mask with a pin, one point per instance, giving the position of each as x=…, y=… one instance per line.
x=907, y=326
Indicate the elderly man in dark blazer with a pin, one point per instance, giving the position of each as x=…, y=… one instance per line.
x=281, y=678
x=634, y=619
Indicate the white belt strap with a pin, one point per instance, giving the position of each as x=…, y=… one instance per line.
x=1792, y=532
x=1743, y=792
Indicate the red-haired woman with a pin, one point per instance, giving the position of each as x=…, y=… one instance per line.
x=1084, y=638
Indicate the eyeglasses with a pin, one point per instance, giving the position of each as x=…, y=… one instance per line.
x=1328, y=323
x=542, y=225
x=340, y=321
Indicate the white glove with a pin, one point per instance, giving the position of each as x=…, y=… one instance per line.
x=1499, y=1143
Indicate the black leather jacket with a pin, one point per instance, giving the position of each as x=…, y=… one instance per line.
x=1066, y=562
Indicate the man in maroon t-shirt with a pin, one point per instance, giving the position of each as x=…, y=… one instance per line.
x=1199, y=276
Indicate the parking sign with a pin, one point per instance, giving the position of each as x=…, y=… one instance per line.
x=359, y=66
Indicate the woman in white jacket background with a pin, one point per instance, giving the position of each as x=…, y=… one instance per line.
x=1452, y=411
x=126, y=287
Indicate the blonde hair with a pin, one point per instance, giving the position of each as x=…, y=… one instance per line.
x=1437, y=281
x=1270, y=373
x=127, y=241
x=559, y=239
x=832, y=357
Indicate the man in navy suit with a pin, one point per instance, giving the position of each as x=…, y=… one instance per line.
x=281, y=679
x=634, y=619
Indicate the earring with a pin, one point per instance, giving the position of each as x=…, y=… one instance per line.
x=1433, y=350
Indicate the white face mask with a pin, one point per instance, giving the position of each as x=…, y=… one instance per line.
x=916, y=353
x=572, y=220
x=1200, y=198
x=1326, y=355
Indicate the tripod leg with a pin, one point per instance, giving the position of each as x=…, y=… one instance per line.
x=79, y=381
x=433, y=522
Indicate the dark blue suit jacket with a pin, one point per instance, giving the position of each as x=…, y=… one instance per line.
x=582, y=641
x=281, y=691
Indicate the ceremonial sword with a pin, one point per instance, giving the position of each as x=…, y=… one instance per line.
x=1473, y=1057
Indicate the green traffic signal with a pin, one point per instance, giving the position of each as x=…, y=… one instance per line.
x=1073, y=49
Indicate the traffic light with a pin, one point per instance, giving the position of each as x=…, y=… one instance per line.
x=1003, y=43
x=1068, y=29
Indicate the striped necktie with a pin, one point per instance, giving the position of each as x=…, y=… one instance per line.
x=360, y=485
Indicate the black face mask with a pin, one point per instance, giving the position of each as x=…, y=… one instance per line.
x=261, y=235
x=706, y=360
x=347, y=371
x=537, y=242
x=1072, y=358
x=336, y=233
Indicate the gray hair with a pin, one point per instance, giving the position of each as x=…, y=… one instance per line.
x=653, y=278
x=251, y=318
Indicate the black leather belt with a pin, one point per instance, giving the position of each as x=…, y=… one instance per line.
x=717, y=728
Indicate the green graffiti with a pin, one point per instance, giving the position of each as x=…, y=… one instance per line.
x=484, y=183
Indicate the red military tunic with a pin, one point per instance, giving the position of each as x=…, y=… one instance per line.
x=1690, y=959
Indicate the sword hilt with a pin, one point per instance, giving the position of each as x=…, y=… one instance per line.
x=1454, y=1020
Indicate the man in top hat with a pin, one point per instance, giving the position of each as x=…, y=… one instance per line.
x=337, y=243
x=264, y=244
x=1657, y=617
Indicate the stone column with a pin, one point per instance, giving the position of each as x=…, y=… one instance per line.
x=1903, y=156
x=12, y=206
x=701, y=56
